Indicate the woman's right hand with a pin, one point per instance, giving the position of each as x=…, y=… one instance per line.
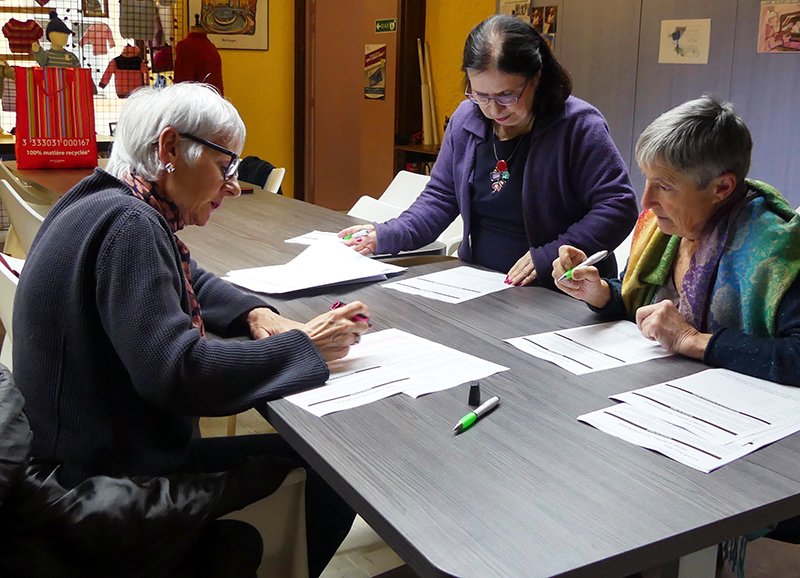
x=335, y=331
x=365, y=244
x=586, y=283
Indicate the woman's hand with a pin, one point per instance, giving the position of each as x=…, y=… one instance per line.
x=586, y=283
x=335, y=331
x=523, y=272
x=264, y=322
x=364, y=244
x=663, y=322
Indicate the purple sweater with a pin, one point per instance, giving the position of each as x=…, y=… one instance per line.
x=576, y=190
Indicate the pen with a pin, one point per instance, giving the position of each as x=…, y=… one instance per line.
x=474, y=416
x=356, y=317
x=596, y=258
x=361, y=233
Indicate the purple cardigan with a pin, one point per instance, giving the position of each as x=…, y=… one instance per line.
x=576, y=190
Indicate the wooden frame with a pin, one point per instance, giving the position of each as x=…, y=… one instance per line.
x=95, y=8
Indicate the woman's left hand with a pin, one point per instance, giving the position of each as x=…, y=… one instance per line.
x=523, y=272
x=264, y=322
x=663, y=322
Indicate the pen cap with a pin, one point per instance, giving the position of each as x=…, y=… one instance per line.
x=474, y=394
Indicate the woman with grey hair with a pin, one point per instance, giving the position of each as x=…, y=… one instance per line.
x=713, y=270
x=111, y=313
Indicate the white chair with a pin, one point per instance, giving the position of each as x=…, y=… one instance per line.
x=622, y=252
x=371, y=209
x=398, y=196
x=404, y=189
x=8, y=288
x=274, y=180
x=25, y=222
x=39, y=198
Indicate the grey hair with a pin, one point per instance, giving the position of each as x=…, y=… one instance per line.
x=188, y=107
x=703, y=138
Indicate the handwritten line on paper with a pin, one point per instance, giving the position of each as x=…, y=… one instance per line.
x=389, y=362
x=454, y=285
x=591, y=348
x=705, y=420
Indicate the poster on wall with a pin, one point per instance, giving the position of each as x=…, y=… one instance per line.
x=233, y=24
x=515, y=8
x=375, y=71
x=779, y=27
x=685, y=41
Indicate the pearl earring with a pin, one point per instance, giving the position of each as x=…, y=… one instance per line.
x=169, y=167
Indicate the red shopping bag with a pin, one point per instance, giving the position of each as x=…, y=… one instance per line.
x=55, y=118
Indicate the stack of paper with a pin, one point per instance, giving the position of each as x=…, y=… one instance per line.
x=454, y=285
x=592, y=348
x=389, y=362
x=324, y=263
x=705, y=420
x=314, y=237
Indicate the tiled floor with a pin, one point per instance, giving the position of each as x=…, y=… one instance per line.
x=363, y=554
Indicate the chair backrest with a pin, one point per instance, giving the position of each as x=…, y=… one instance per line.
x=24, y=219
x=373, y=210
x=274, y=180
x=8, y=288
x=404, y=189
x=37, y=198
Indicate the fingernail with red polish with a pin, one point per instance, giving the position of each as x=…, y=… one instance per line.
x=358, y=240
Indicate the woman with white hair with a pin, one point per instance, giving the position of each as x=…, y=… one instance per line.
x=713, y=270
x=111, y=313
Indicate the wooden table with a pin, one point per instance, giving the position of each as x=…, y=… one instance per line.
x=528, y=491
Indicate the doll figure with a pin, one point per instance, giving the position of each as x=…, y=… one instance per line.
x=57, y=33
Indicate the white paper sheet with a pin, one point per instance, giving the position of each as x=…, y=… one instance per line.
x=389, y=362
x=318, y=265
x=705, y=420
x=314, y=237
x=592, y=348
x=452, y=286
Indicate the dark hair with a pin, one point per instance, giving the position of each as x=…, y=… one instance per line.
x=511, y=45
x=703, y=138
x=56, y=25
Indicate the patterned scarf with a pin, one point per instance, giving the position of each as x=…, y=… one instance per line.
x=746, y=260
x=149, y=193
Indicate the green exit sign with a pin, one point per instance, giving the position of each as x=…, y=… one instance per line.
x=386, y=25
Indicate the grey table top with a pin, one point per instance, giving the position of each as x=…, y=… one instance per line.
x=528, y=491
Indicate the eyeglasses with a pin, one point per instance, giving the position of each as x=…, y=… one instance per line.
x=502, y=100
x=233, y=166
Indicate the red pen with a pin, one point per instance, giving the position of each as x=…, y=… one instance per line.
x=356, y=317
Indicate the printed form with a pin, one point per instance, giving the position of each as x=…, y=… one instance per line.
x=320, y=264
x=389, y=362
x=705, y=420
x=454, y=285
x=592, y=348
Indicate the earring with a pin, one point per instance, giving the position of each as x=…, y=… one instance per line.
x=169, y=167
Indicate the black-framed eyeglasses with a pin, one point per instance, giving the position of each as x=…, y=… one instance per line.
x=233, y=166
x=502, y=100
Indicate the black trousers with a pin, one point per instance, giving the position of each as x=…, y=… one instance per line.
x=328, y=517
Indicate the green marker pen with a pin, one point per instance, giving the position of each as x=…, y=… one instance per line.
x=361, y=233
x=473, y=416
x=596, y=258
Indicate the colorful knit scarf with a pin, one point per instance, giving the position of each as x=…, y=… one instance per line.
x=746, y=260
x=149, y=193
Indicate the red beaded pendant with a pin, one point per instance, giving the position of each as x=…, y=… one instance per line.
x=501, y=165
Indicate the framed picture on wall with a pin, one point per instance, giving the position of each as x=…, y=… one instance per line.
x=233, y=24
x=97, y=8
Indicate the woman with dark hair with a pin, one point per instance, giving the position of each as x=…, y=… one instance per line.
x=528, y=166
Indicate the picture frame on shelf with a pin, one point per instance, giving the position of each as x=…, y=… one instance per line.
x=95, y=8
x=233, y=24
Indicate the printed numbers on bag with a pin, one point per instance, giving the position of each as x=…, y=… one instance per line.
x=57, y=142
